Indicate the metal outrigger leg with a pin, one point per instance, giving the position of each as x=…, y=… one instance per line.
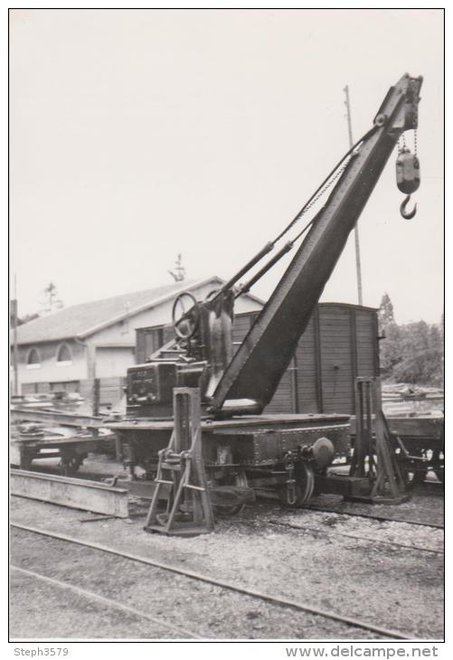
x=374, y=455
x=181, y=475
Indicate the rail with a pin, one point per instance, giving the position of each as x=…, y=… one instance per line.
x=283, y=602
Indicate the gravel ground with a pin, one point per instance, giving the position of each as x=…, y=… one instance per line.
x=308, y=556
x=39, y=612
x=219, y=613
x=417, y=509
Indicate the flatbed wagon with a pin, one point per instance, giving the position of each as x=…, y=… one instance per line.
x=420, y=445
x=72, y=450
x=43, y=434
x=257, y=451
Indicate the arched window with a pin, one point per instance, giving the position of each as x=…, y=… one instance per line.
x=33, y=359
x=64, y=356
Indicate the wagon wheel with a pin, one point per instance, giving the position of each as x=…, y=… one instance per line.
x=305, y=485
x=438, y=464
x=413, y=476
x=70, y=463
x=225, y=511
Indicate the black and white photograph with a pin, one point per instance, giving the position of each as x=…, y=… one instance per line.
x=226, y=331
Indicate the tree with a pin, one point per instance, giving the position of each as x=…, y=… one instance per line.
x=385, y=313
x=389, y=349
x=421, y=349
x=51, y=301
x=389, y=332
x=411, y=353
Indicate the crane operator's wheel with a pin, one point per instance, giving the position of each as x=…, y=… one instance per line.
x=185, y=315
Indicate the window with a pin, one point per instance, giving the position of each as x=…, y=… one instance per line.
x=64, y=356
x=154, y=339
x=66, y=386
x=124, y=326
x=29, y=388
x=33, y=359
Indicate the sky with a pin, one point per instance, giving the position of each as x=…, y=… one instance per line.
x=136, y=135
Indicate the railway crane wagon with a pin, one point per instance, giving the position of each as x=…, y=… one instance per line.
x=244, y=450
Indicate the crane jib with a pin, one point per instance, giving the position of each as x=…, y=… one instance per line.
x=271, y=341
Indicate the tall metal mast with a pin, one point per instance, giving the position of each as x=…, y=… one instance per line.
x=356, y=228
x=13, y=307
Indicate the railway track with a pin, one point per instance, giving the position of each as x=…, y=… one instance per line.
x=375, y=516
x=314, y=530
x=435, y=489
x=108, y=603
x=406, y=521
x=308, y=529
x=282, y=607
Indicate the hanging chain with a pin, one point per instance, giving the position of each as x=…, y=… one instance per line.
x=325, y=188
x=402, y=143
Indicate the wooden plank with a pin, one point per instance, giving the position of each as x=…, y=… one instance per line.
x=318, y=360
x=337, y=366
x=354, y=355
x=305, y=385
x=340, y=389
x=336, y=316
x=87, y=442
x=417, y=426
x=70, y=492
x=282, y=399
x=64, y=419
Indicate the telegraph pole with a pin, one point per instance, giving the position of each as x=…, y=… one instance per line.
x=356, y=228
x=13, y=309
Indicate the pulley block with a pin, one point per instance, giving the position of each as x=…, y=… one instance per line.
x=407, y=172
x=407, y=179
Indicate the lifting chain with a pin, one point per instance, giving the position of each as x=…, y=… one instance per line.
x=329, y=183
x=327, y=186
x=407, y=174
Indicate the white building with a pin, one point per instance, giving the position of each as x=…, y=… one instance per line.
x=67, y=350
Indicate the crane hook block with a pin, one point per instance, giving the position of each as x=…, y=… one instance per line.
x=408, y=215
x=407, y=172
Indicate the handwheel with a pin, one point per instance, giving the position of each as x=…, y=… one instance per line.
x=185, y=315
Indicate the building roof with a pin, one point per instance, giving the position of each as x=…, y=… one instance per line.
x=80, y=321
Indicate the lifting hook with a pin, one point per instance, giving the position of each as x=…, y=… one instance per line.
x=408, y=215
